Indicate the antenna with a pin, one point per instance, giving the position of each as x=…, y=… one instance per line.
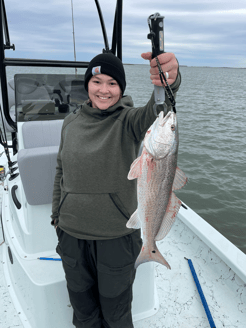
x=74, y=51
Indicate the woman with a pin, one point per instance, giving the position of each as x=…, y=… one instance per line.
x=93, y=199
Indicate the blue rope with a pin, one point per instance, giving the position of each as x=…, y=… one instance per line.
x=48, y=259
x=199, y=288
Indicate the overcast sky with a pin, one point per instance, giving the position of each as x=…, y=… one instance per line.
x=199, y=32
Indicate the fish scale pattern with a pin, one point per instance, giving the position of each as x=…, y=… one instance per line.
x=158, y=175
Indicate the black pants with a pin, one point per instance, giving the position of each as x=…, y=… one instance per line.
x=99, y=275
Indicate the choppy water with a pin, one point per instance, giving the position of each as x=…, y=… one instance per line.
x=211, y=109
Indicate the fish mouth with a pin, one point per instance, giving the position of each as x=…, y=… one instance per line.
x=164, y=119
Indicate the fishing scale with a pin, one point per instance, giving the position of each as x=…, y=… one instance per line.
x=156, y=35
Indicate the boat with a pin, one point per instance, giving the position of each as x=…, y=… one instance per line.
x=33, y=291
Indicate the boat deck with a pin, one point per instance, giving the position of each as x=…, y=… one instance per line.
x=180, y=304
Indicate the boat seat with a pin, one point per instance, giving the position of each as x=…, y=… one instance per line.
x=41, y=133
x=37, y=167
x=37, y=161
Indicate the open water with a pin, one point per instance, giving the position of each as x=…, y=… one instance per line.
x=211, y=110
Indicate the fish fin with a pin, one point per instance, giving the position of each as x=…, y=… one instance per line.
x=180, y=179
x=169, y=217
x=147, y=255
x=134, y=221
x=136, y=169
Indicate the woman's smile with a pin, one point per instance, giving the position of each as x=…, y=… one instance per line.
x=103, y=98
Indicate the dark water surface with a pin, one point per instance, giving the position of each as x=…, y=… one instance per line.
x=211, y=110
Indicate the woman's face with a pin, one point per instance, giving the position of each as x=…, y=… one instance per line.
x=103, y=91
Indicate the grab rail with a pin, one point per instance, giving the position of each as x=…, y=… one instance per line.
x=15, y=199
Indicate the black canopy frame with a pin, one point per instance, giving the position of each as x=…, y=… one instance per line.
x=5, y=44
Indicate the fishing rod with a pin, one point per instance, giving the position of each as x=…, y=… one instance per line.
x=156, y=35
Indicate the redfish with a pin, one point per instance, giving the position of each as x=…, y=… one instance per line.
x=157, y=177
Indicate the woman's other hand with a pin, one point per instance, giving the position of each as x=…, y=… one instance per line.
x=168, y=63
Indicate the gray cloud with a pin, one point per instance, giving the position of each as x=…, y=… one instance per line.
x=204, y=33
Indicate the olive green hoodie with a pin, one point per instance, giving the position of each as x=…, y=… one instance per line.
x=92, y=198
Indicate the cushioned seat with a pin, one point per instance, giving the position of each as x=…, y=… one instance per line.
x=37, y=168
x=37, y=162
x=41, y=133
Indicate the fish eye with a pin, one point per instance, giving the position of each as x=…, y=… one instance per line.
x=172, y=127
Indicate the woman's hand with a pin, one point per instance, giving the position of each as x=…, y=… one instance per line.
x=168, y=64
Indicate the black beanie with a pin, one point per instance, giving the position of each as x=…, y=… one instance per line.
x=108, y=64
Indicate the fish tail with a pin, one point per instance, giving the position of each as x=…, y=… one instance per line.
x=147, y=255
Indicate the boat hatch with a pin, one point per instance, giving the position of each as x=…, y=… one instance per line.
x=40, y=97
